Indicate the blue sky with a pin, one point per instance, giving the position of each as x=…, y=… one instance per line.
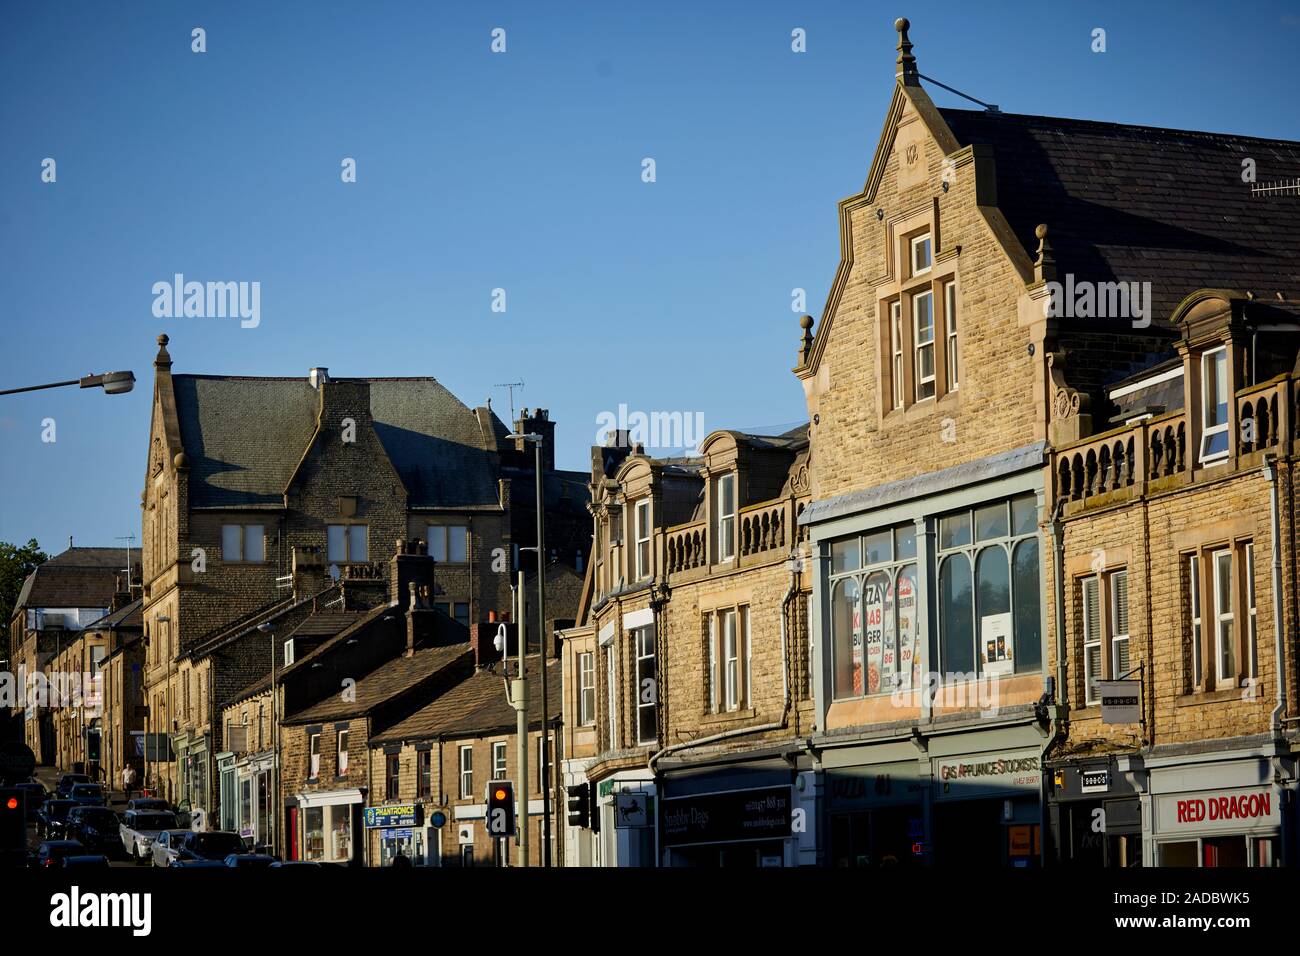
x=478, y=171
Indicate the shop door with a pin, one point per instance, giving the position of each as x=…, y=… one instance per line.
x=969, y=833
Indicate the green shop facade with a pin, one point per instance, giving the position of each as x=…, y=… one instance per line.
x=929, y=633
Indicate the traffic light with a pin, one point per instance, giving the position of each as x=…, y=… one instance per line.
x=579, y=816
x=583, y=811
x=13, y=819
x=501, y=808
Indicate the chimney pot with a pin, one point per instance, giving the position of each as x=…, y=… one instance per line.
x=317, y=376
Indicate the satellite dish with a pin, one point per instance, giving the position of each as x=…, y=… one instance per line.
x=334, y=572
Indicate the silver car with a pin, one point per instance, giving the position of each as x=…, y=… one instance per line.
x=140, y=828
x=167, y=847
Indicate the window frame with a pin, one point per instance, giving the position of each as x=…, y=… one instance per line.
x=1118, y=636
x=392, y=776
x=313, y=756
x=500, y=760
x=424, y=773
x=644, y=637
x=914, y=243
x=896, y=352
x=444, y=545
x=1197, y=619
x=919, y=349
x=245, y=538
x=725, y=525
x=1224, y=594
x=1210, y=431
x=347, y=544
x=1093, y=638
x=952, y=366
x=341, y=753
x=466, y=771
x=586, y=688
x=642, y=541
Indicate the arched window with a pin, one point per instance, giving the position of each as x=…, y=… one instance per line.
x=1027, y=612
x=956, y=614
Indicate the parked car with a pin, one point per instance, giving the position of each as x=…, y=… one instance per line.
x=211, y=845
x=67, y=782
x=89, y=794
x=52, y=817
x=36, y=795
x=140, y=828
x=97, y=827
x=51, y=852
x=251, y=861
x=148, y=803
x=197, y=864
x=167, y=847
x=313, y=864
x=85, y=861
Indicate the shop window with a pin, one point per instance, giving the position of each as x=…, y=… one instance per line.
x=1224, y=852
x=348, y=543
x=424, y=774
x=243, y=542
x=448, y=544
x=313, y=822
x=647, y=685
x=339, y=848
x=466, y=772
x=1214, y=405
x=392, y=776
x=989, y=613
x=874, y=586
x=586, y=689
x=726, y=523
x=499, y=761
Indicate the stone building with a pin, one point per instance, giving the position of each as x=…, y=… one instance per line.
x=433, y=767
x=57, y=602
x=267, y=496
x=1007, y=296
x=686, y=682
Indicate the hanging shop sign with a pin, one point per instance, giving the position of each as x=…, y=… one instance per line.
x=1121, y=701
x=726, y=817
x=1094, y=781
x=632, y=810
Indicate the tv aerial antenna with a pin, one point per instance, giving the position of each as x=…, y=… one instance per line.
x=511, y=386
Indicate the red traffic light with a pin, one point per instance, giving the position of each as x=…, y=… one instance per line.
x=12, y=803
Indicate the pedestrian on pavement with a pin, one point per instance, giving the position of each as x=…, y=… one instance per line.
x=128, y=781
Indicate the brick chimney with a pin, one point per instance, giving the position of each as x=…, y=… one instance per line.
x=537, y=422
x=419, y=618
x=410, y=564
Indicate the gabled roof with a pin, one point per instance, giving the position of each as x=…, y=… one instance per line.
x=77, y=577
x=384, y=683
x=476, y=706
x=244, y=437
x=1140, y=203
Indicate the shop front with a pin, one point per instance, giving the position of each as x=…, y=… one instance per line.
x=1095, y=811
x=876, y=807
x=987, y=804
x=401, y=831
x=745, y=816
x=628, y=836
x=327, y=824
x=1222, y=812
x=251, y=812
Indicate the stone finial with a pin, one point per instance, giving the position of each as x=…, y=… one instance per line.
x=163, y=359
x=806, y=340
x=1045, y=261
x=906, y=72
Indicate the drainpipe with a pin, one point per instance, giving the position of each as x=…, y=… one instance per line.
x=1271, y=476
x=1060, y=695
x=795, y=564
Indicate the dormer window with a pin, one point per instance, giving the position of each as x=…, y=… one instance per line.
x=642, y=539
x=1214, y=405
x=726, y=525
x=921, y=254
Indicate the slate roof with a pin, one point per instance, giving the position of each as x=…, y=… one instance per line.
x=385, y=682
x=78, y=577
x=1138, y=203
x=244, y=437
x=128, y=616
x=477, y=705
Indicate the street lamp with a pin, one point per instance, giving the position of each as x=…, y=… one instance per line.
x=268, y=628
x=536, y=439
x=113, y=383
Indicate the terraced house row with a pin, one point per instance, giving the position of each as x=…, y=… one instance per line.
x=1021, y=592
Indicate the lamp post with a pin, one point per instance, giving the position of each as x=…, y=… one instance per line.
x=267, y=628
x=545, y=768
x=113, y=383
